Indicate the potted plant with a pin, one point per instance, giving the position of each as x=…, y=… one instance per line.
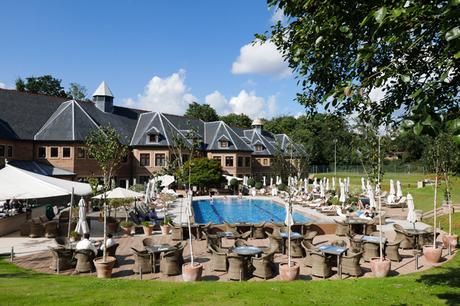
x=112, y=224
x=74, y=236
x=127, y=227
x=148, y=228
x=165, y=225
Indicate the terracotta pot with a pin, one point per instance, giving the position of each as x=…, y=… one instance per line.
x=112, y=227
x=452, y=239
x=165, y=229
x=380, y=268
x=127, y=230
x=289, y=273
x=104, y=268
x=431, y=254
x=192, y=273
x=147, y=230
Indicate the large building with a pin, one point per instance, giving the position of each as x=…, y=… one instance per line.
x=47, y=135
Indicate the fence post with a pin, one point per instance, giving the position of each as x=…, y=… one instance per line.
x=12, y=254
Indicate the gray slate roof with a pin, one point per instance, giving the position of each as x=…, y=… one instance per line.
x=218, y=130
x=40, y=168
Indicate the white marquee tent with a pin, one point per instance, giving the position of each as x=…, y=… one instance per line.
x=16, y=183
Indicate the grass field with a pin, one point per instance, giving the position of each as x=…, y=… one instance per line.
x=438, y=286
x=423, y=197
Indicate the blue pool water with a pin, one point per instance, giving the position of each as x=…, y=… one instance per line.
x=241, y=210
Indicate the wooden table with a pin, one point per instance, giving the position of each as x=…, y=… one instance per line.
x=335, y=250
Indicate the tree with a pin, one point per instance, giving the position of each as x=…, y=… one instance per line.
x=204, y=172
x=201, y=111
x=105, y=147
x=237, y=120
x=77, y=91
x=45, y=85
x=341, y=50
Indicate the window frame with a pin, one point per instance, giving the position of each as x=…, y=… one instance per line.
x=227, y=159
x=70, y=153
x=38, y=152
x=141, y=163
x=247, y=161
x=4, y=150
x=81, y=149
x=164, y=159
x=240, y=161
x=221, y=142
x=51, y=152
x=156, y=135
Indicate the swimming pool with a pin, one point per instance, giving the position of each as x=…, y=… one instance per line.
x=241, y=210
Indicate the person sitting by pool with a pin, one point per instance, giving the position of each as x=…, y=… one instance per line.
x=210, y=197
x=240, y=195
x=86, y=244
x=109, y=242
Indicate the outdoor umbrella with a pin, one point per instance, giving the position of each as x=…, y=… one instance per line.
x=411, y=215
x=370, y=194
x=343, y=197
x=315, y=185
x=147, y=193
x=82, y=225
x=327, y=184
x=305, y=185
x=271, y=181
x=391, y=195
x=347, y=185
x=322, y=194
x=264, y=181
x=399, y=193
x=120, y=193
x=288, y=220
x=363, y=185
x=333, y=183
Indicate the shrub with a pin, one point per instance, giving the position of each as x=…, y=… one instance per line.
x=251, y=182
x=282, y=187
x=126, y=224
x=258, y=185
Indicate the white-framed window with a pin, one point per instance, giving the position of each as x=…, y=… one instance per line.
x=153, y=138
x=223, y=143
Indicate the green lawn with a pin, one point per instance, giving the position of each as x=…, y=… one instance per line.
x=438, y=286
x=423, y=197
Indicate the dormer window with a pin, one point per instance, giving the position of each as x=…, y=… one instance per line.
x=223, y=143
x=259, y=147
x=154, y=138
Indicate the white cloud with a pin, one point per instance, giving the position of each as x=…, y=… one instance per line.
x=260, y=59
x=3, y=85
x=168, y=95
x=278, y=15
x=218, y=102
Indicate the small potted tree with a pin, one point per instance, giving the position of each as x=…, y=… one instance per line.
x=74, y=236
x=127, y=227
x=165, y=225
x=148, y=228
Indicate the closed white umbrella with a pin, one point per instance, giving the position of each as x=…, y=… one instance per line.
x=288, y=220
x=315, y=185
x=343, y=197
x=264, y=181
x=347, y=185
x=327, y=185
x=411, y=215
x=271, y=182
x=305, y=184
x=363, y=185
x=333, y=183
x=147, y=194
x=392, y=187
x=370, y=194
x=391, y=195
x=322, y=194
x=82, y=226
x=399, y=193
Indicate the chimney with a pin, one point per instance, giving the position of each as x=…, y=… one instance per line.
x=103, y=98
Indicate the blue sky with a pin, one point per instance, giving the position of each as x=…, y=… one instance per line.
x=158, y=55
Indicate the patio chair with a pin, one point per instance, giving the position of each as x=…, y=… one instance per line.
x=392, y=251
x=407, y=240
x=308, y=249
x=355, y=243
x=218, y=259
x=51, y=229
x=61, y=241
x=258, y=231
x=211, y=240
x=276, y=243
x=321, y=265
x=180, y=249
x=350, y=264
x=236, y=267
x=341, y=228
x=371, y=227
x=111, y=250
x=177, y=233
x=305, y=227
x=310, y=235
x=62, y=258
x=427, y=238
x=84, y=261
x=37, y=229
x=370, y=250
x=231, y=228
x=245, y=235
x=142, y=261
x=296, y=247
x=264, y=266
x=202, y=229
x=170, y=263
x=148, y=242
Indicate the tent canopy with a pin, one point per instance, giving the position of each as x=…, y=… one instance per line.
x=16, y=183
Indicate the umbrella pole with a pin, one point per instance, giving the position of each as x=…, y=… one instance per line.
x=289, y=232
x=380, y=205
x=105, y=227
x=190, y=235
x=70, y=214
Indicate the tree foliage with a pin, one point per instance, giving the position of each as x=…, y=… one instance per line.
x=104, y=145
x=204, y=172
x=237, y=120
x=341, y=50
x=201, y=111
x=77, y=91
x=45, y=85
